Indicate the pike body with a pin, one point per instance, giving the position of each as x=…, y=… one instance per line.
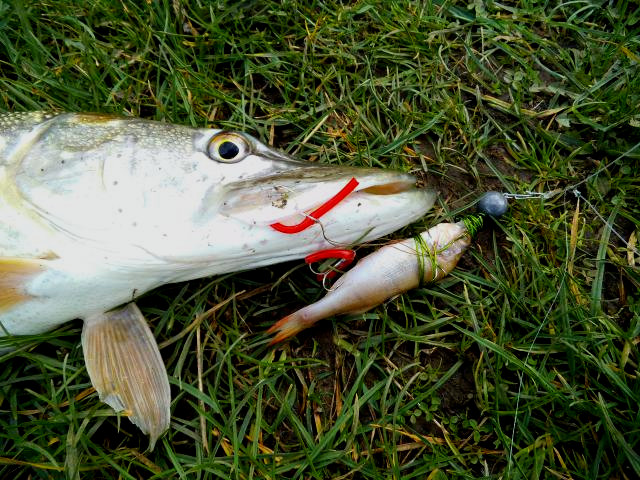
x=96, y=210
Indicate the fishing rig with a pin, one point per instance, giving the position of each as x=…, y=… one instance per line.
x=428, y=256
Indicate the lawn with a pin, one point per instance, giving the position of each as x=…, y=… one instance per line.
x=523, y=363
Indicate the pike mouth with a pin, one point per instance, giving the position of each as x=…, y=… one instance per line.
x=288, y=197
x=389, y=188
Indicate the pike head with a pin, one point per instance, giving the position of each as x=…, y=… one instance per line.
x=187, y=202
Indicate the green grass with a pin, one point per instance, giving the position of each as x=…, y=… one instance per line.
x=521, y=364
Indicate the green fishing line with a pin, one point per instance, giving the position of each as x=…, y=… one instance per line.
x=421, y=248
x=473, y=223
x=423, y=251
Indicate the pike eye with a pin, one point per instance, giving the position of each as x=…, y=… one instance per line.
x=228, y=150
x=228, y=147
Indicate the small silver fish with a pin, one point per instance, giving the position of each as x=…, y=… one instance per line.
x=393, y=269
x=96, y=210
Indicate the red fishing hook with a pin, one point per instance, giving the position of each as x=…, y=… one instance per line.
x=312, y=217
x=345, y=257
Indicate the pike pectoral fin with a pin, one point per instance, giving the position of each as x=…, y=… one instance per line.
x=126, y=368
x=14, y=274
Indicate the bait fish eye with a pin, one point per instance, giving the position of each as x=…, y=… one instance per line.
x=227, y=147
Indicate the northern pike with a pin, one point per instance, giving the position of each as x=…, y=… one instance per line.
x=96, y=210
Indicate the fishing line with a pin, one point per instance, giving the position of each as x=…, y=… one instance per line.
x=574, y=190
x=473, y=223
x=341, y=244
x=603, y=168
x=546, y=195
x=421, y=249
x=526, y=360
x=324, y=235
x=606, y=222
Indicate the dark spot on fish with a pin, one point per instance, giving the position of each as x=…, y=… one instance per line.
x=115, y=182
x=134, y=224
x=280, y=202
x=119, y=210
x=62, y=162
x=359, y=204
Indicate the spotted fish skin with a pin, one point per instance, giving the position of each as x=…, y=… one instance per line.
x=110, y=207
x=97, y=209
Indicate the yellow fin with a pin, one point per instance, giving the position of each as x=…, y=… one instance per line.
x=126, y=368
x=14, y=274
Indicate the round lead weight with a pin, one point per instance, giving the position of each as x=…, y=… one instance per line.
x=493, y=203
